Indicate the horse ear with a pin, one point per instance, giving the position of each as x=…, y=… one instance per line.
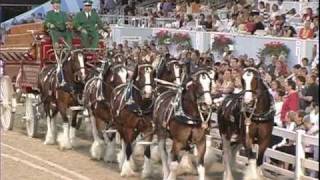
x=111, y=78
x=189, y=85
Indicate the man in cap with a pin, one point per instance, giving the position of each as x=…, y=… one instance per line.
x=87, y=22
x=58, y=26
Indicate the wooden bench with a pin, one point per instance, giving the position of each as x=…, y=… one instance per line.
x=23, y=28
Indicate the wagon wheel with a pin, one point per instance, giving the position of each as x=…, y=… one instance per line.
x=7, y=103
x=33, y=115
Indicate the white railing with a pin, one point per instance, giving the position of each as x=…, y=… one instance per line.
x=136, y=21
x=299, y=161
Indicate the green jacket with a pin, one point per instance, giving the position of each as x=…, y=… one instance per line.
x=57, y=19
x=91, y=24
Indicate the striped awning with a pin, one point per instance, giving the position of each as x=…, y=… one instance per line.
x=15, y=54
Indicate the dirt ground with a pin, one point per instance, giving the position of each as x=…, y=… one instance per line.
x=24, y=158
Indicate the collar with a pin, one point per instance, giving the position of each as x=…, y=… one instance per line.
x=56, y=11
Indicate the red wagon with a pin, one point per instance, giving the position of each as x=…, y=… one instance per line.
x=27, y=49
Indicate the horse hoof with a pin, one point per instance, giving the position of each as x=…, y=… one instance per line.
x=74, y=142
x=64, y=142
x=97, y=150
x=49, y=141
x=127, y=170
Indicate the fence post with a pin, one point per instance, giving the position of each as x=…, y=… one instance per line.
x=299, y=170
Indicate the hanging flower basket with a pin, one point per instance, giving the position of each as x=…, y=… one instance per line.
x=220, y=43
x=163, y=37
x=274, y=48
x=182, y=40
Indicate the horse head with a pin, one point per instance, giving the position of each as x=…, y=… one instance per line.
x=144, y=79
x=251, y=83
x=200, y=85
x=74, y=66
x=175, y=69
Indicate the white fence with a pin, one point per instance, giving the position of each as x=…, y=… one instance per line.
x=298, y=161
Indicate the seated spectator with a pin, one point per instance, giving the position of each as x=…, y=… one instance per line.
x=274, y=12
x=305, y=63
x=209, y=22
x=276, y=29
x=308, y=15
x=179, y=22
x=306, y=32
x=315, y=26
x=258, y=23
x=250, y=24
x=291, y=102
x=195, y=5
x=202, y=21
x=281, y=70
x=289, y=146
x=190, y=23
x=289, y=31
x=160, y=5
x=168, y=6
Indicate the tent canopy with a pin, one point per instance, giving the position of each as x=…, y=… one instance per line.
x=70, y=6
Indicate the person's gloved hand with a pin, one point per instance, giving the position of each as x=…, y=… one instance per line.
x=51, y=26
x=83, y=31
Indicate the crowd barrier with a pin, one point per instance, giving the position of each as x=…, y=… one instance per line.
x=243, y=44
x=299, y=161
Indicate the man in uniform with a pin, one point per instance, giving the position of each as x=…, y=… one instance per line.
x=58, y=26
x=87, y=22
x=57, y=23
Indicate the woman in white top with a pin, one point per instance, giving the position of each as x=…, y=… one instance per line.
x=274, y=12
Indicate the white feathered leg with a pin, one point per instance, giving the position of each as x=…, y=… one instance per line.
x=50, y=135
x=164, y=158
x=122, y=154
x=63, y=138
x=251, y=171
x=173, y=170
x=127, y=170
x=147, y=169
x=73, y=138
x=201, y=172
x=227, y=175
x=110, y=153
x=97, y=148
x=186, y=166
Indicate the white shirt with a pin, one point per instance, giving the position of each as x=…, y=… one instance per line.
x=88, y=14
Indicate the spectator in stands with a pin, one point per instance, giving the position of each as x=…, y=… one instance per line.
x=306, y=32
x=258, y=23
x=168, y=6
x=274, y=12
x=308, y=15
x=195, y=6
x=190, y=23
x=301, y=88
x=305, y=63
x=312, y=90
x=160, y=5
x=289, y=146
x=291, y=101
x=315, y=26
x=250, y=24
x=202, y=21
x=275, y=87
x=110, y=5
x=289, y=31
x=130, y=9
x=216, y=24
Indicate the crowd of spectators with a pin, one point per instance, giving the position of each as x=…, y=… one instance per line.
x=236, y=17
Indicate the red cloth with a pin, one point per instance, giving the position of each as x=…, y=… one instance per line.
x=250, y=26
x=306, y=34
x=291, y=103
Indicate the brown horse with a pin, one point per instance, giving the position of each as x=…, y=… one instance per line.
x=248, y=115
x=59, y=99
x=97, y=97
x=183, y=114
x=132, y=106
